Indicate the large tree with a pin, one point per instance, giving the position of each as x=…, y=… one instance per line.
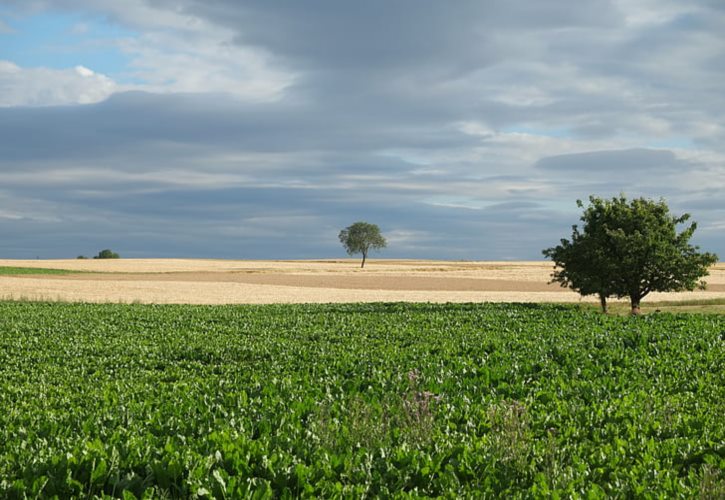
x=361, y=237
x=581, y=264
x=629, y=249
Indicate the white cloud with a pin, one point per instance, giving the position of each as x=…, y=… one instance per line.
x=83, y=71
x=49, y=87
x=176, y=51
x=639, y=13
x=10, y=215
x=203, y=60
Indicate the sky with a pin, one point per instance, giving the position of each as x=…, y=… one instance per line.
x=258, y=130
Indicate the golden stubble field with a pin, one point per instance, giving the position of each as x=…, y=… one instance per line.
x=197, y=281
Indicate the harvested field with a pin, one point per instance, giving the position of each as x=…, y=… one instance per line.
x=319, y=281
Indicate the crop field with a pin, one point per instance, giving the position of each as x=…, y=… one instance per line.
x=452, y=400
x=198, y=281
x=22, y=271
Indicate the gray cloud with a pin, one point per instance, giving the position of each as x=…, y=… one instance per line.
x=629, y=161
x=465, y=131
x=383, y=34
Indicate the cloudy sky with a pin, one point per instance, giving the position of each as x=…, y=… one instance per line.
x=258, y=129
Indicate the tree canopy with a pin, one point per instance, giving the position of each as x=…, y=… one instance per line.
x=629, y=249
x=361, y=237
x=107, y=254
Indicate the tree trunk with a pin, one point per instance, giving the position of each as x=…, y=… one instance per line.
x=635, y=306
x=603, y=303
x=365, y=255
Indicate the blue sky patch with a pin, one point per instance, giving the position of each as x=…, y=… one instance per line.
x=65, y=40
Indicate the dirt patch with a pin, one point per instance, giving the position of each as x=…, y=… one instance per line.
x=343, y=282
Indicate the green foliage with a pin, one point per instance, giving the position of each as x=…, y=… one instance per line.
x=376, y=400
x=360, y=238
x=107, y=254
x=15, y=271
x=629, y=249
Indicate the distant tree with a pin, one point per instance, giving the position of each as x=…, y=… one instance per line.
x=107, y=254
x=629, y=249
x=360, y=238
x=80, y=257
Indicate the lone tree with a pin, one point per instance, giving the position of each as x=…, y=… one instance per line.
x=360, y=238
x=629, y=249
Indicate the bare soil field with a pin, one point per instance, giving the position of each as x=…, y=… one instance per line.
x=198, y=281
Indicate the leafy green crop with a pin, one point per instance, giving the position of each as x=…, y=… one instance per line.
x=358, y=400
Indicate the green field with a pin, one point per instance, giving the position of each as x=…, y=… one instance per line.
x=18, y=271
x=359, y=400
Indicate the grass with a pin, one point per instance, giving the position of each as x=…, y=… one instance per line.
x=19, y=271
x=704, y=306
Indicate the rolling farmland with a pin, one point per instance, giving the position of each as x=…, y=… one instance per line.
x=189, y=281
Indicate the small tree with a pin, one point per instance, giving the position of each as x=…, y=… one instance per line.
x=107, y=254
x=360, y=238
x=629, y=249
